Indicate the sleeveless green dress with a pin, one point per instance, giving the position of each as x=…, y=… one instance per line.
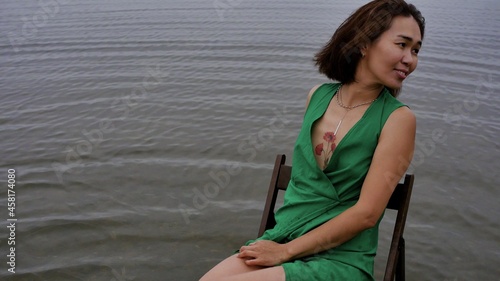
x=315, y=196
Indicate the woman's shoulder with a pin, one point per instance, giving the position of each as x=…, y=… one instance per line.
x=403, y=114
x=311, y=93
x=399, y=114
x=315, y=89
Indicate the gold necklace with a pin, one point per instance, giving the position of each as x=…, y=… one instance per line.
x=339, y=101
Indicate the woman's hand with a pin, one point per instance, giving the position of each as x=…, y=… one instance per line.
x=264, y=253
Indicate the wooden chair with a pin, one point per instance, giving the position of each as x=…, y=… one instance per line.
x=399, y=201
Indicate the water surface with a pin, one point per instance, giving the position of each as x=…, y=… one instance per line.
x=143, y=134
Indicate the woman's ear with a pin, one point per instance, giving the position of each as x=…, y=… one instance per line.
x=363, y=51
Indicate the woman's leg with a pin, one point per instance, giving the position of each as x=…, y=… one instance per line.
x=233, y=268
x=230, y=266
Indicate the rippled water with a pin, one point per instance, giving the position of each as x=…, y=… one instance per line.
x=143, y=133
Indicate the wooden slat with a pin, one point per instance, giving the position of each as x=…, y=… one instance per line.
x=284, y=177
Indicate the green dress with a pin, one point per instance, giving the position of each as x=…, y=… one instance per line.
x=315, y=196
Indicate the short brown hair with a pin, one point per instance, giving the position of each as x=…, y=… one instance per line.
x=339, y=58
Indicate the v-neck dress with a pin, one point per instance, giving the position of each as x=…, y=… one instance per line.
x=315, y=196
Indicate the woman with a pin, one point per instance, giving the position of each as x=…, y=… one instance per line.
x=356, y=142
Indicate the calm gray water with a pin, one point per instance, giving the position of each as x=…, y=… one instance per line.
x=143, y=133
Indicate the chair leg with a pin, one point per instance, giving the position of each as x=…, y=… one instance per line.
x=400, y=265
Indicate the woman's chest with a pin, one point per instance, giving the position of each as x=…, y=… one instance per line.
x=331, y=130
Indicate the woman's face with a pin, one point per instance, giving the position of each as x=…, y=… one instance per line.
x=394, y=55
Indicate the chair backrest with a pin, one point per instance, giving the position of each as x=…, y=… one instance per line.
x=399, y=201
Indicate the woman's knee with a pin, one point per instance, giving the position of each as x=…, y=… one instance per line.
x=228, y=267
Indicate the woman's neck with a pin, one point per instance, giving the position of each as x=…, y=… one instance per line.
x=357, y=93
